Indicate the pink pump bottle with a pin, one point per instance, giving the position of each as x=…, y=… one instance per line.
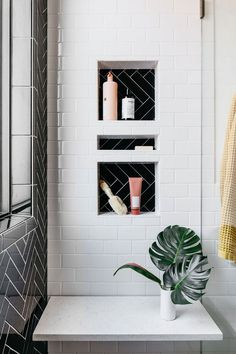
x=110, y=93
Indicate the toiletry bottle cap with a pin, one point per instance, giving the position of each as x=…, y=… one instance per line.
x=109, y=76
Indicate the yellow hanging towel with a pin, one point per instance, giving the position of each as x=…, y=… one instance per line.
x=227, y=239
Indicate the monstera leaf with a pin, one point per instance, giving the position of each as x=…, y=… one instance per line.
x=174, y=243
x=137, y=268
x=187, y=279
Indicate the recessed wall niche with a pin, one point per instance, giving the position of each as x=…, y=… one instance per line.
x=121, y=142
x=139, y=77
x=116, y=175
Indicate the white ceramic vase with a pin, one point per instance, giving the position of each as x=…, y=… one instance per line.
x=167, y=308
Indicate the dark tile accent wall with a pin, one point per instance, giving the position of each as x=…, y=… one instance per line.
x=23, y=260
x=117, y=177
x=22, y=293
x=9, y=223
x=141, y=84
x=128, y=143
x=16, y=227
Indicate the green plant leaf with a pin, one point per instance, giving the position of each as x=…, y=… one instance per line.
x=187, y=279
x=174, y=243
x=137, y=268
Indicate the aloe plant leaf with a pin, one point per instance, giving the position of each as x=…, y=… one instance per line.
x=139, y=269
x=187, y=279
x=174, y=243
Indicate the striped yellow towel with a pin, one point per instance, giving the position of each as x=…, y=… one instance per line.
x=227, y=240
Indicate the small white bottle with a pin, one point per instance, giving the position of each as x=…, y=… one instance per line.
x=128, y=106
x=110, y=94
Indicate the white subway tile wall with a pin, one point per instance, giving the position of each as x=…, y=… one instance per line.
x=81, y=34
x=84, y=248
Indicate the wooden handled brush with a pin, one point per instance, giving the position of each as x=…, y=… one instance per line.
x=115, y=202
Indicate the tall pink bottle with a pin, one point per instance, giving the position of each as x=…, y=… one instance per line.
x=110, y=93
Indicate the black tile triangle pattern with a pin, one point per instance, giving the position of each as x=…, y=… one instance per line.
x=141, y=85
x=23, y=265
x=117, y=177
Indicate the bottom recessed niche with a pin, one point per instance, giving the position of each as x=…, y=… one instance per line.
x=116, y=175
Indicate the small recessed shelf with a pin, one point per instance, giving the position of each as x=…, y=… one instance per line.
x=137, y=76
x=116, y=175
x=121, y=142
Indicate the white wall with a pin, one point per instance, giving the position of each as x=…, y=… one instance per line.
x=218, y=90
x=225, y=65
x=219, y=85
x=84, y=248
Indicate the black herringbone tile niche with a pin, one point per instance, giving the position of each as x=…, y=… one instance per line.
x=128, y=143
x=141, y=85
x=117, y=177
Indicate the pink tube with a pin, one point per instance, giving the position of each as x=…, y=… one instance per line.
x=135, y=186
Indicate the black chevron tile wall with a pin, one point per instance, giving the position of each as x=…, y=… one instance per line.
x=23, y=262
x=117, y=177
x=23, y=295
x=141, y=85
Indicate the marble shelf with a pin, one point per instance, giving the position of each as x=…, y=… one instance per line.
x=121, y=318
